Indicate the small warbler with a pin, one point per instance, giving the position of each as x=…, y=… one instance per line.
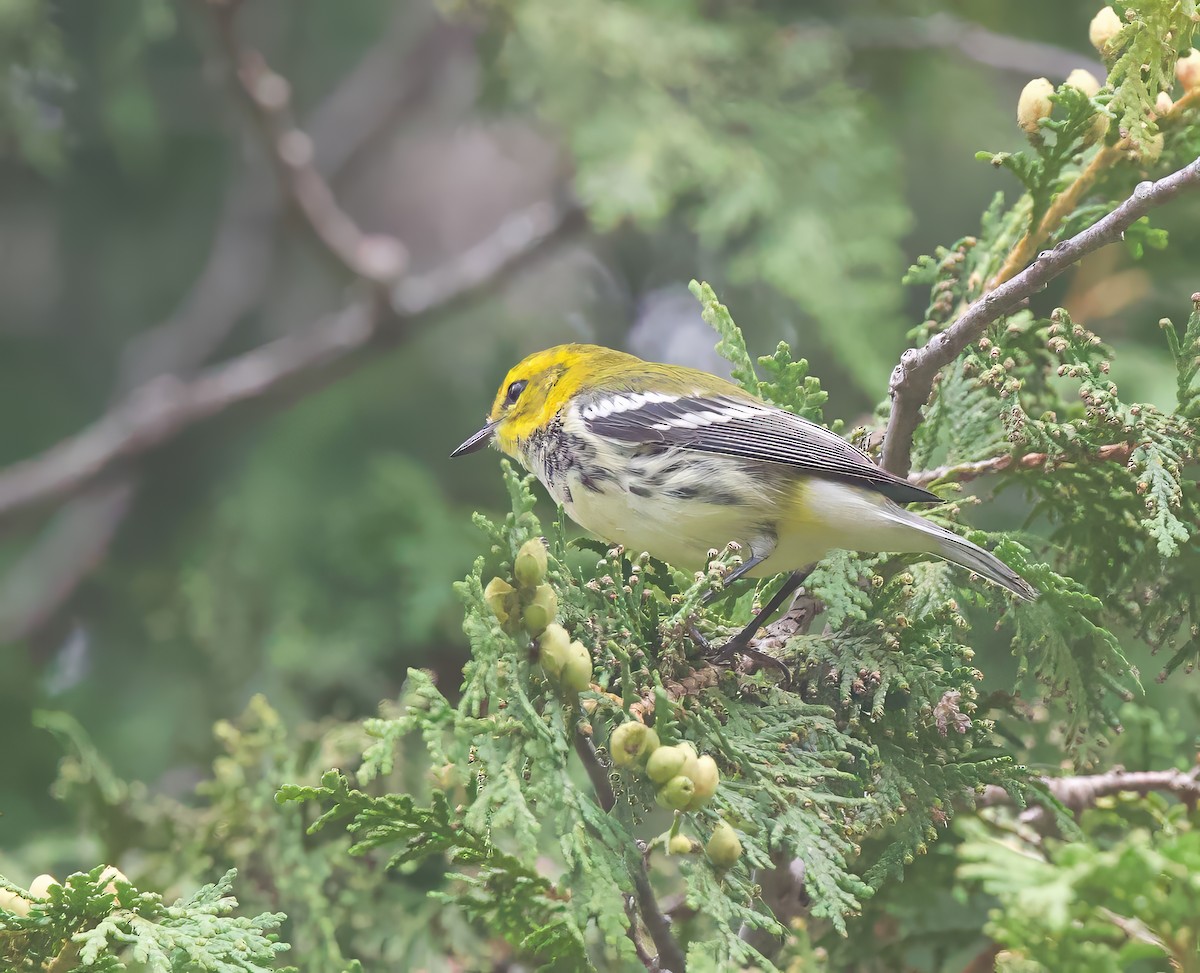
x=677, y=462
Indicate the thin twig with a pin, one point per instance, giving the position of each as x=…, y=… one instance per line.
x=1063, y=206
x=965, y=472
x=912, y=380
x=519, y=234
x=771, y=639
x=1065, y=202
x=670, y=956
x=595, y=771
x=797, y=620
x=692, y=683
x=635, y=937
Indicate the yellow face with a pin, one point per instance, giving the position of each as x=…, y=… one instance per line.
x=532, y=393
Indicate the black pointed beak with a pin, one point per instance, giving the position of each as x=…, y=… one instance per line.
x=478, y=441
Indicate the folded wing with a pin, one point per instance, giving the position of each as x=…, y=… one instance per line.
x=746, y=428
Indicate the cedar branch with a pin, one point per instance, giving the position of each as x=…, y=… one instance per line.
x=1065, y=202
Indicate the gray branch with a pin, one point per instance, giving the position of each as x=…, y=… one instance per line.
x=912, y=380
x=378, y=258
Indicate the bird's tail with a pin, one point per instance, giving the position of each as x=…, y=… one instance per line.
x=975, y=558
x=960, y=551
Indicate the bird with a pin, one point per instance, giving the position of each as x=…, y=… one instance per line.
x=676, y=462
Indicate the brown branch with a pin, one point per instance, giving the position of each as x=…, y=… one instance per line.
x=1078, y=793
x=691, y=684
x=670, y=956
x=797, y=620
x=1064, y=204
x=597, y=773
x=965, y=472
x=643, y=954
x=912, y=380
x=773, y=637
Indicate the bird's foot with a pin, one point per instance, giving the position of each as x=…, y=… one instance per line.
x=738, y=645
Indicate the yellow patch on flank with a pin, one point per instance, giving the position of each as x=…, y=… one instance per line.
x=800, y=512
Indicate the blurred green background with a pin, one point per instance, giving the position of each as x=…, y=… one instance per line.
x=797, y=156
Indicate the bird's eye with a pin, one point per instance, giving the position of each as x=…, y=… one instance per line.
x=514, y=392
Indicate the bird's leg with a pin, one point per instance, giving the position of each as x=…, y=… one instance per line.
x=740, y=643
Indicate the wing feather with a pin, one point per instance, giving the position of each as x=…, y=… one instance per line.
x=745, y=428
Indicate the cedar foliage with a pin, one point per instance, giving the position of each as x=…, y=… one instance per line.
x=482, y=806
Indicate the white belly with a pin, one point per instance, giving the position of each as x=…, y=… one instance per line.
x=676, y=531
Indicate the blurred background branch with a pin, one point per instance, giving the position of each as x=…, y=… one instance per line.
x=1005, y=52
x=376, y=258
x=231, y=283
x=1078, y=792
x=162, y=408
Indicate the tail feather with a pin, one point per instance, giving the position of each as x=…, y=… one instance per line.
x=973, y=557
x=933, y=539
x=840, y=516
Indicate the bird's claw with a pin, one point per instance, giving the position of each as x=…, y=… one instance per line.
x=734, y=647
